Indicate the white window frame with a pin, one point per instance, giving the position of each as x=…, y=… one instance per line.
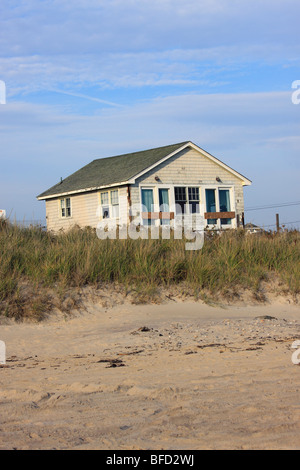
x=105, y=206
x=231, y=189
x=170, y=187
x=110, y=206
x=115, y=206
x=155, y=201
x=61, y=209
x=202, y=200
x=188, y=202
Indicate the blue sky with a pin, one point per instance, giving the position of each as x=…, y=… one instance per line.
x=94, y=78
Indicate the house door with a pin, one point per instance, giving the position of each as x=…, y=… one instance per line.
x=164, y=205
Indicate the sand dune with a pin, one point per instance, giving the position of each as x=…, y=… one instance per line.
x=177, y=376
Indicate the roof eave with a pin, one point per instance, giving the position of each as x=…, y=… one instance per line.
x=80, y=191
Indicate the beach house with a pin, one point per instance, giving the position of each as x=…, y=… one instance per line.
x=152, y=187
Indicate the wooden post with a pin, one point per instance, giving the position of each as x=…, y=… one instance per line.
x=238, y=220
x=277, y=222
x=243, y=219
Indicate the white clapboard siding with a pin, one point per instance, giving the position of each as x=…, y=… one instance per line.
x=83, y=212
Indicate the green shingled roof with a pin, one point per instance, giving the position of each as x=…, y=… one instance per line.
x=111, y=170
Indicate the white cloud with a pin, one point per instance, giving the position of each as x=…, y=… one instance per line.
x=138, y=43
x=184, y=68
x=63, y=27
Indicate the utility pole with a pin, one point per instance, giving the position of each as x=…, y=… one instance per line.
x=277, y=222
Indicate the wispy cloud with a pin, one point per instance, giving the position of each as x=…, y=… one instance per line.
x=190, y=45
x=53, y=27
x=86, y=97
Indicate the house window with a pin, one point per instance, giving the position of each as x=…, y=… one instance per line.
x=224, y=200
x=110, y=204
x=180, y=199
x=148, y=204
x=163, y=196
x=114, y=199
x=211, y=204
x=65, y=207
x=105, y=205
x=222, y=205
x=194, y=200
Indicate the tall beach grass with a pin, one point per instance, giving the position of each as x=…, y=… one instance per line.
x=228, y=262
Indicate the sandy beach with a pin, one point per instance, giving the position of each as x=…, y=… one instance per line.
x=181, y=375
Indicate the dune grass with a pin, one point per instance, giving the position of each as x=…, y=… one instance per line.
x=228, y=262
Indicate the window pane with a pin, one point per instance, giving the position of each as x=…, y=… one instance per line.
x=224, y=200
x=105, y=212
x=194, y=200
x=193, y=194
x=194, y=207
x=147, y=202
x=164, y=204
x=104, y=198
x=211, y=204
x=114, y=197
x=164, y=200
x=65, y=207
x=224, y=197
x=62, y=208
x=147, y=199
x=180, y=194
x=180, y=199
x=115, y=211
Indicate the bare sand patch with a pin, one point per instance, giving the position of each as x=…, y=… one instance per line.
x=181, y=375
